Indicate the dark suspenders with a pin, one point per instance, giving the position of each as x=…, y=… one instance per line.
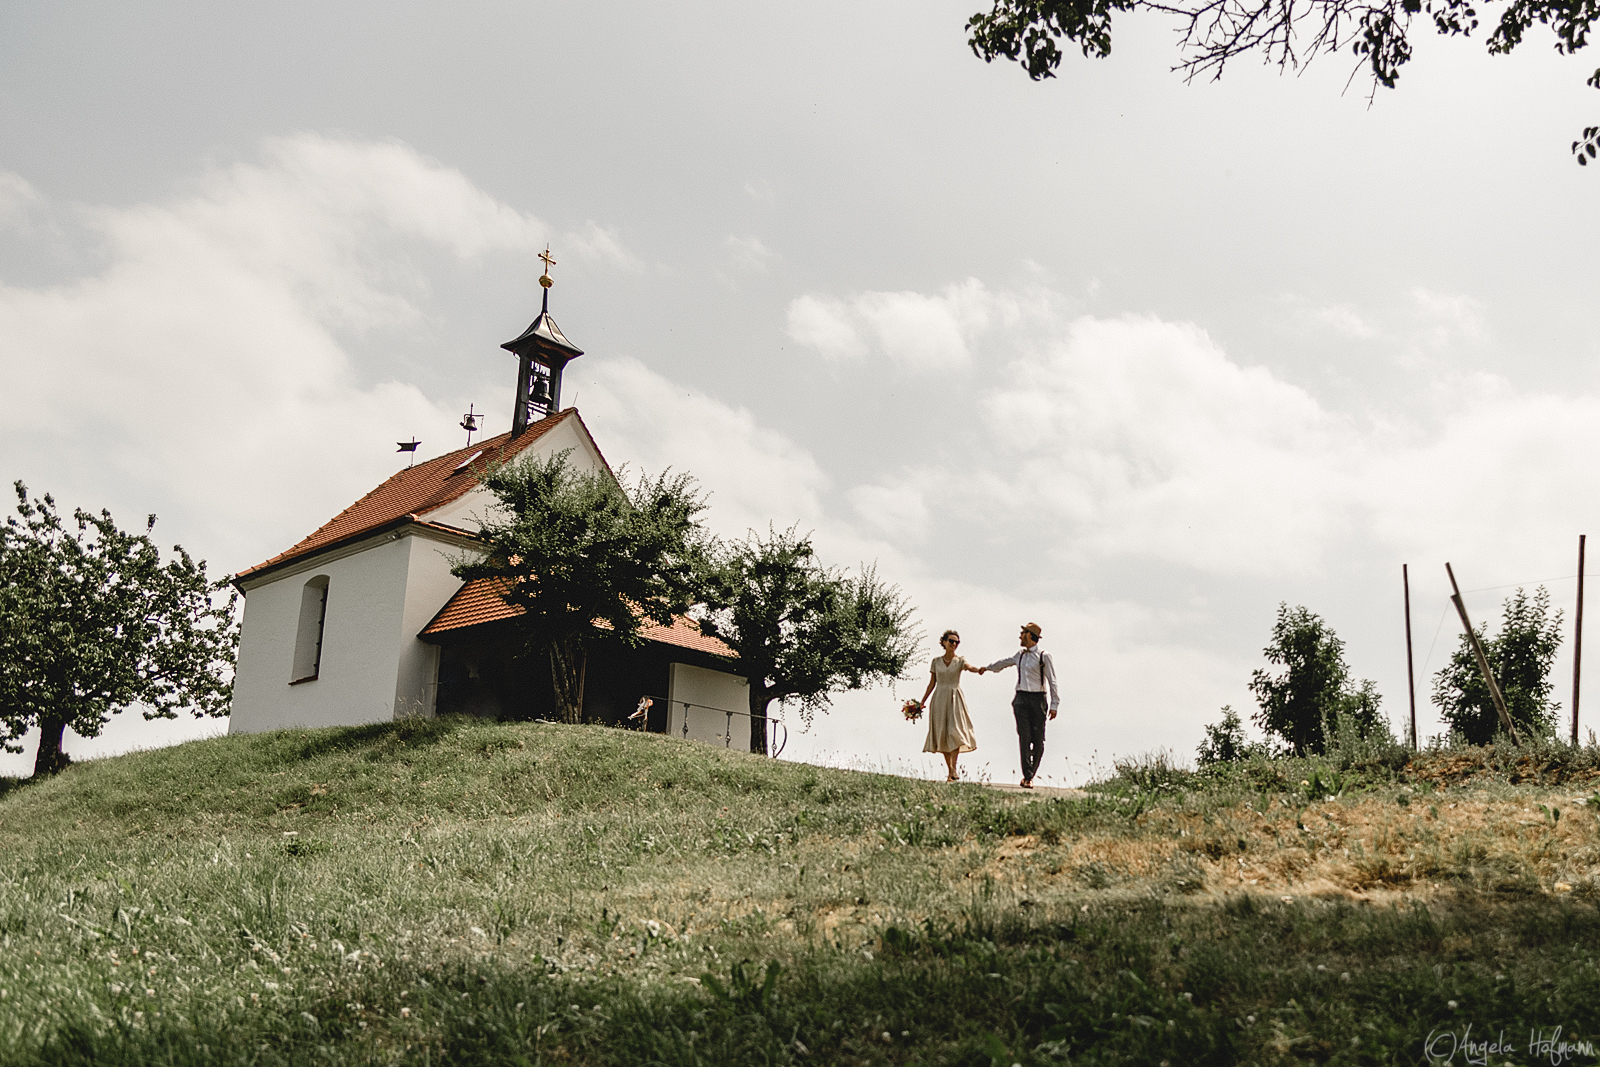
x=1044, y=684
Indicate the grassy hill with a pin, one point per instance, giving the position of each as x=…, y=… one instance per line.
x=467, y=892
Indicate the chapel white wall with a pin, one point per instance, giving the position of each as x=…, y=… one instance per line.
x=709, y=690
x=429, y=586
x=360, y=651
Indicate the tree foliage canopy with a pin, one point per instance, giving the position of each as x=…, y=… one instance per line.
x=93, y=622
x=1520, y=658
x=1304, y=704
x=582, y=553
x=1288, y=33
x=800, y=631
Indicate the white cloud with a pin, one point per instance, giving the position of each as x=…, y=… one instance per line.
x=1343, y=319
x=755, y=476
x=747, y=253
x=898, y=511
x=17, y=198
x=1149, y=441
x=1146, y=440
x=825, y=325
x=1447, y=318
x=602, y=245
x=1142, y=439
x=338, y=186
x=913, y=330
x=1416, y=322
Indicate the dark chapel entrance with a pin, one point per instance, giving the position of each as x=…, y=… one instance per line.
x=485, y=671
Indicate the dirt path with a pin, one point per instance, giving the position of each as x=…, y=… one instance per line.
x=1037, y=791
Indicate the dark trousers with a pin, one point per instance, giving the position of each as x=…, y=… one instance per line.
x=1029, y=709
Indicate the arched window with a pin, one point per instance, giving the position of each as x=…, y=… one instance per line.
x=308, y=637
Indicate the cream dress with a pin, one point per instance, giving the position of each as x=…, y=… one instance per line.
x=949, y=726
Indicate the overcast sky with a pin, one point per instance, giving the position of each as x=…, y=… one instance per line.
x=1135, y=359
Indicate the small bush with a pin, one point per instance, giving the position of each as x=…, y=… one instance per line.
x=1152, y=771
x=1347, y=745
x=1225, y=742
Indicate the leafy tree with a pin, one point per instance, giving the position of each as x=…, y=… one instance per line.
x=93, y=622
x=1287, y=33
x=1305, y=703
x=1520, y=658
x=582, y=553
x=800, y=631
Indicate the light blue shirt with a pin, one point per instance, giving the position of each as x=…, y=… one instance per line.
x=1035, y=669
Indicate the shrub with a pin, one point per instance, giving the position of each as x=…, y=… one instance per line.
x=1225, y=742
x=1520, y=657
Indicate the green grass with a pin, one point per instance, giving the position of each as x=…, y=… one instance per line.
x=467, y=892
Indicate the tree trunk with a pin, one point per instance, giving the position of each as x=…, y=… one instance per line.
x=51, y=759
x=568, y=659
x=760, y=697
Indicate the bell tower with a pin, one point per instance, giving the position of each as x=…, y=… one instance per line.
x=542, y=352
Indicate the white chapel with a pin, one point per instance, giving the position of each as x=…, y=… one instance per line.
x=362, y=622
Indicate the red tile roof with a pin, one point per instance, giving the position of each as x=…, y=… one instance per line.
x=479, y=602
x=414, y=491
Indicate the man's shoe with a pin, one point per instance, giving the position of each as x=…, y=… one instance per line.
x=1027, y=783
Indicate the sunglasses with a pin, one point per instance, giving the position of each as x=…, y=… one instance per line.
x=950, y=640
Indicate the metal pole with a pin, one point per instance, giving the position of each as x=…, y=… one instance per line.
x=1577, y=642
x=1411, y=678
x=1483, y=660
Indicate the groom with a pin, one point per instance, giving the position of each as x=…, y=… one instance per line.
x=1034, y=669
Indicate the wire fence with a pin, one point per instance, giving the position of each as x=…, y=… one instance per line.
x=1445, y=611
x=777, y=730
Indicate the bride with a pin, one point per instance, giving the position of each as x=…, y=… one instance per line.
x=949, y=727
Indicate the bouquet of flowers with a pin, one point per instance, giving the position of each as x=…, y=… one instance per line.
x=912, y=710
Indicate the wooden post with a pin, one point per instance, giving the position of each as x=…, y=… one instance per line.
x=1483, y=660
x=1411, y=678
x=1577, y=643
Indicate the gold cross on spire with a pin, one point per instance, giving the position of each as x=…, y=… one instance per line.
x=549, y=261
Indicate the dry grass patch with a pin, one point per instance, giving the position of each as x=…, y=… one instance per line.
x=1504, y=840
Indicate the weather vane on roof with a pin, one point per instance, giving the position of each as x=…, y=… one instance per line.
x=409, y=447
x=469, y=423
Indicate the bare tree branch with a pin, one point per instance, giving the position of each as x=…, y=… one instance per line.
x=1287, y=34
